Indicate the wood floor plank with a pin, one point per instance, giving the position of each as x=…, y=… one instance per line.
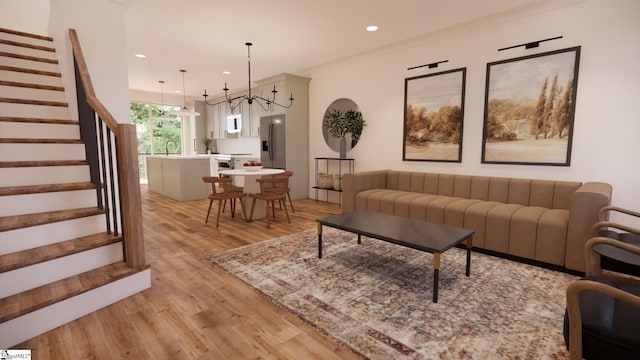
x=195, y=310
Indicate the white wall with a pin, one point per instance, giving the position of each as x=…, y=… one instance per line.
x=100, y=28
x=607, y=119
x=30, y=16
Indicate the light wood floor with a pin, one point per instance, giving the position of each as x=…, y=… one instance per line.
x=193, y=309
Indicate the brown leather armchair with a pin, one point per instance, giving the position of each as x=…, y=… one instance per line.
x=602, y=320
x=614, y=259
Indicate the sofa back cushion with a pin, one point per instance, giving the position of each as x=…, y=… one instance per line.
x=527, y=192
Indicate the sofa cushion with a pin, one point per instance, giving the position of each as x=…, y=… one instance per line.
x=552, y=236
x=499, y=227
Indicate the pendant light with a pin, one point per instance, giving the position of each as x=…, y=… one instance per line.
x=185, y=110
x=163, y=114
x=265, y=104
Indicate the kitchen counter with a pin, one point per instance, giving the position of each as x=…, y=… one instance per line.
x=180, y=177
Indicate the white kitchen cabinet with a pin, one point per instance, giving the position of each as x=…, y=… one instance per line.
x=179, y=177
x=245, y=109
x=266, y=92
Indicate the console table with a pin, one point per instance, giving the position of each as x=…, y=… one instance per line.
x=326, y=161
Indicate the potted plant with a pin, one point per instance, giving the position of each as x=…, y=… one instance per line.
x=340, y=124
x=207, y=142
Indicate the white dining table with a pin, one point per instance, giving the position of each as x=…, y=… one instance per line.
x=251, y=186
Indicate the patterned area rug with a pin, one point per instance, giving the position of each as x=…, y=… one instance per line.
x=376, y=297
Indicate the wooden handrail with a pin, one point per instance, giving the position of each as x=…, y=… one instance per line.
x=127, y=163
x=92, y=99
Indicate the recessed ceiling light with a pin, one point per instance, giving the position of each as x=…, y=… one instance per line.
x=141, y=56
x=227, y=72
x=372, y=28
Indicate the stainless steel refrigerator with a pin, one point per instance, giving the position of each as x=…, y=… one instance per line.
x=272, y=142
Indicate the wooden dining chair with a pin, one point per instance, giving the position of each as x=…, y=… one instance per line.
x=271, y=190
x=221, y=190
x=231, y=187
x=289, y=174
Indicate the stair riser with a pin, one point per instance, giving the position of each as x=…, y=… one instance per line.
x=23, y=176
x=34, y=111
x=23, y=328
x=26, y=39
x=16, y=92
x=41, y=235
x=17, y=76
x=37, y=203
x=28, y=64
x=31, y=277
x=38, y=131
x=41, y=152
x=27, y=51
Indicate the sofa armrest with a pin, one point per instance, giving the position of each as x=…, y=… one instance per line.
x=584, y=212
x=353, y=183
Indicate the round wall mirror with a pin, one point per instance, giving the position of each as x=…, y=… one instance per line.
x=342, y=105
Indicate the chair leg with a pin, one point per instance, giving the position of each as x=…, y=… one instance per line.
x=273, y=209
x=290, y=202
x=233, y=207
x=253, y=205
x=267, y=213
x=219, y=208
x=244, y=213
x=287, y=212
x=206, y=220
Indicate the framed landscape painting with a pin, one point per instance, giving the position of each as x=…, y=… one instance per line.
x=529, y=109
x=433, y=116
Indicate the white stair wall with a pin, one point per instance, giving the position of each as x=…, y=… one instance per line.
x=38, y=322
x=53, y=270
x=44, y=202
x=41, y=152
x=39, y=131
x=17, y=76
x=24, y=176
x=19, y=92
x=13, y=49
x=22, y=39
x=52, y=233
x=34, y=111
x=28, y=64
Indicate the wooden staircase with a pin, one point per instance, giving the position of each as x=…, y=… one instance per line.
x=58, y=261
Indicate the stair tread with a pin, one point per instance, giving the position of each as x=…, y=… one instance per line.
x=44, y=253
x=22, y=221
x=30, y=71
x=28, y=57
x=26, y=34
x=20, y=304
x=34, y=102
x=27, y=45
x=39, y=141
x=45, y=188
x=13, y=164
x=31, y=86
x=37, y=120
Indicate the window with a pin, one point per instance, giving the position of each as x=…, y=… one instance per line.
x=157, y=132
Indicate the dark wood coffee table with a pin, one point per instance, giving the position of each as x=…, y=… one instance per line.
x=419, y=235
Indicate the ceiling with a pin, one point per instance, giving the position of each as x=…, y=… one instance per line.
x=207, y=37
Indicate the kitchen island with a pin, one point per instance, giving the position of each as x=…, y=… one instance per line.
x=180, y=177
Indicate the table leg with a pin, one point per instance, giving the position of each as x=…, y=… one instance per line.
x=436, y=275
x=319, y=241
x=469, y=246
x=359, y=239
x=251, y=186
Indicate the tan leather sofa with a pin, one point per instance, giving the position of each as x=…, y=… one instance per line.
x=543, y=220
